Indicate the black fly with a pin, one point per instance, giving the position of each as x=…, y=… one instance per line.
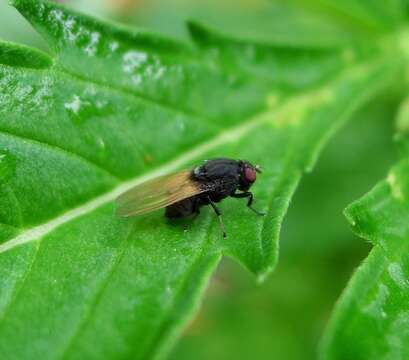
x=185, y=192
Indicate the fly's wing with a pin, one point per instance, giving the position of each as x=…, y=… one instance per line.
x=158, y=193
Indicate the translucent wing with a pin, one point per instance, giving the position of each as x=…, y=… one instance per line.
x=158, y=193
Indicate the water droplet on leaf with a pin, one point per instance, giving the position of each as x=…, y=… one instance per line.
x=101, y=143
x=84, y=107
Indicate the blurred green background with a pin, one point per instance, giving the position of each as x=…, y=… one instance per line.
x=284, y=317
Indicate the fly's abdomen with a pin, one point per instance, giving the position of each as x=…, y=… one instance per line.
x=181, y=209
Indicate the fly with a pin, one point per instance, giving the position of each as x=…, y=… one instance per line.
x=185, y=192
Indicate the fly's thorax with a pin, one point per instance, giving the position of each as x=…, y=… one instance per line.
x=199, y=177
x=218, y=169
x=197, y=171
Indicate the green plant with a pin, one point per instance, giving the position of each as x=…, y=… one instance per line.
x=112, y=107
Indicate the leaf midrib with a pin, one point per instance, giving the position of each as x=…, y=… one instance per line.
x=83, y=323
x=228, y=135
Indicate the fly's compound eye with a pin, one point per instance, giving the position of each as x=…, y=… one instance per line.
x=250, y=174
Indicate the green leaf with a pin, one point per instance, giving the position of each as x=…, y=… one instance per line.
x=114, y=107
x=15, y=55
x=372, y=315
x=371, y=320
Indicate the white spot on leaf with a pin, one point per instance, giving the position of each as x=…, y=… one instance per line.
x=113, y=46
x=132, y=60
x=22, y=92
x=376, y=307
x=74, y=105
x=100, y=104
x=69, y=29
x=101, y=142
x=91, y=48
x=56, y=15
x=136, y=79
x=66, y=23
x=396, y=273
x=149, y=71
x=159, y=73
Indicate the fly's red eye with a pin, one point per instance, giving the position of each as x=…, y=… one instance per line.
x=250, y=174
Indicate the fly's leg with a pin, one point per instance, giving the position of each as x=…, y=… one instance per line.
x=196, y=211
x=219, y=216
x=250, y=196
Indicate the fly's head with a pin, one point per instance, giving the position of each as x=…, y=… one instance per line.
x=248, y=174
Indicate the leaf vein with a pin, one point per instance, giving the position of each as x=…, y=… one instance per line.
x=230, y=135
x=98, y=295
x=22, y=284
x=61, y=150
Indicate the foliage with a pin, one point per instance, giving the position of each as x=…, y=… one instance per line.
x=375, y=301
x=112, y=107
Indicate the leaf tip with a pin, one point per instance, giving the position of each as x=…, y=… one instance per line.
x=23, y=56
x=27, y=7
x=193, y=26
x=349, y=213
x=198, y=32
x=262, y=276
x=18, y=3
x=359, y=220
x=264, y=273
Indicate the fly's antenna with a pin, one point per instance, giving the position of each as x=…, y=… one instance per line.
x=258, y=169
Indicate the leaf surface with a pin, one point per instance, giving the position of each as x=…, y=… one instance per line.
x=374, y=308
x=371, y=318
x=113, y=107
